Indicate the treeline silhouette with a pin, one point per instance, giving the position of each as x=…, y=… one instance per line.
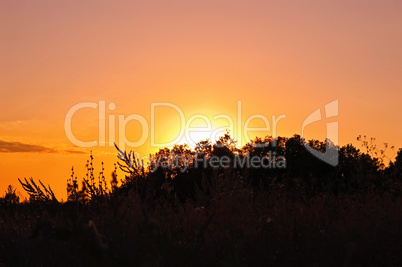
x=181, y=173
x=209, y=206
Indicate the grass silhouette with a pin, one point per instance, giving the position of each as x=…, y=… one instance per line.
x=180, y=214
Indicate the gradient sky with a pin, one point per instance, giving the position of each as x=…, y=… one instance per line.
x=276, y=57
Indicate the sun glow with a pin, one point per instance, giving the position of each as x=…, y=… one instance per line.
x=195, y=137
x=198, y=128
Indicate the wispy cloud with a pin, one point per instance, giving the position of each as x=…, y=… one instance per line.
x=13, y=147
x=18, y=147
x=12, y=124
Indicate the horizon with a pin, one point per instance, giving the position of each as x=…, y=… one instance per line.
x=287, y=58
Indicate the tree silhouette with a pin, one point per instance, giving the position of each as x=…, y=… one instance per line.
x=10, y=196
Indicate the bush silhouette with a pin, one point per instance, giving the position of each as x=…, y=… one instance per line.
x=181, y=209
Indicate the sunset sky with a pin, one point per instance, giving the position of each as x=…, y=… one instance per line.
x=204, y=57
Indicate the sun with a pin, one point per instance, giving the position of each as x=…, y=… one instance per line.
x=195, y=128
x=194, y=137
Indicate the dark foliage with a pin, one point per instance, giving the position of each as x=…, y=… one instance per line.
x=36, y=192
x=183, y=210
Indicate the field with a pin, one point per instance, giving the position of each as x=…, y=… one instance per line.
x=344, y=215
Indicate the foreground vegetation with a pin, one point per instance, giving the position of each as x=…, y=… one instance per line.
x=162, y=214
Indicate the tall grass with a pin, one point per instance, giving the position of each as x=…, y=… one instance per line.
x=307, y=214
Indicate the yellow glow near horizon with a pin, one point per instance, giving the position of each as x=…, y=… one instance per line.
x=277, y=57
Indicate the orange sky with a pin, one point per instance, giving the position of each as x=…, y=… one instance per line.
x=276, y=57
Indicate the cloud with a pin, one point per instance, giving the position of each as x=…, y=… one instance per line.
x=13, y=147
x=18, y=147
